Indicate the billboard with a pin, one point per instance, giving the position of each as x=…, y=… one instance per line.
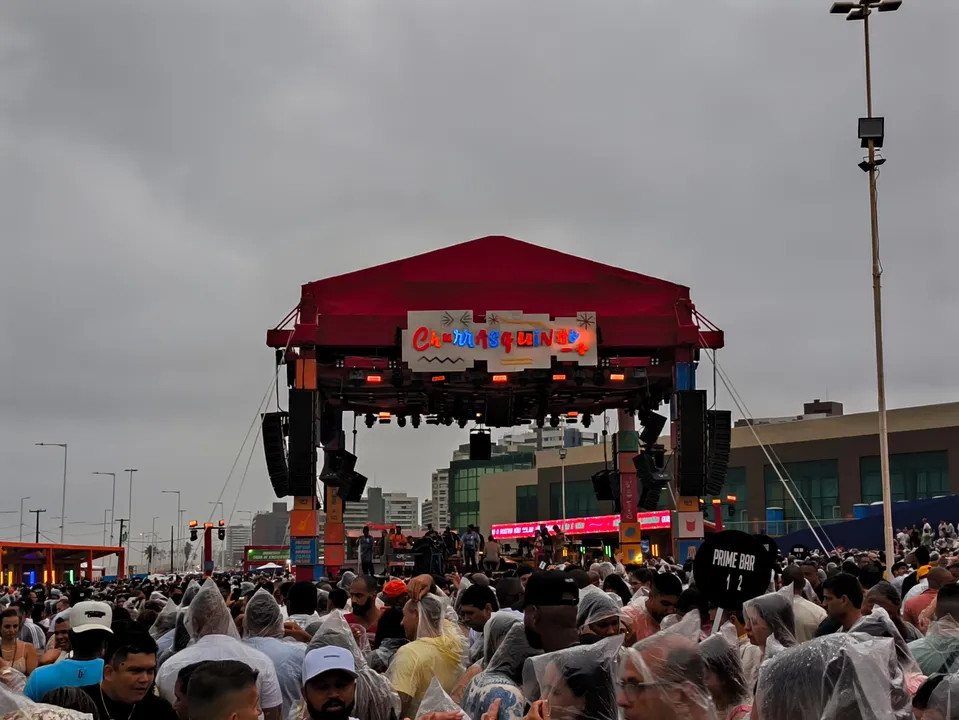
x=266, y=553
x=597, y=525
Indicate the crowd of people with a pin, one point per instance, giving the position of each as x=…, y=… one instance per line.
x=832, y=638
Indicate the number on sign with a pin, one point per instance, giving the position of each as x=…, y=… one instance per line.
x=729, y=581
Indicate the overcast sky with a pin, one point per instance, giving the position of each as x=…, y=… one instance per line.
x=171, y=172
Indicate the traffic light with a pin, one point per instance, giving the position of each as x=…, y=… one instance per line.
x=731, y=506
x=221, y=530
x=193, y=530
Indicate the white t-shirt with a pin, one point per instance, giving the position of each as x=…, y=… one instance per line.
x=222, y=647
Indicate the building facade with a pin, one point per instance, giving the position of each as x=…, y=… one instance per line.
x=440, y=499
x=272, y=527
x=829, y=462
x=237, y=536
x=402, y=509
x=426, y=514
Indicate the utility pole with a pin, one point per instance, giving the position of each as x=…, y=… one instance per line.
x=113, y=501
x=871, y=136
x=129, y=511
x=171, y=548
x=179, y=522
x=37, y=513
x=21, y=516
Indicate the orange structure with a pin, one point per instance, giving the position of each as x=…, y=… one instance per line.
x=50, y=562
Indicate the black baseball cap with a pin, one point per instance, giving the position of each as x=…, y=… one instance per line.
x=550, y=588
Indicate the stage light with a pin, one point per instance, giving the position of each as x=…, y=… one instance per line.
x=730, y=499
x=438, y=378
x=461, y=422
x=617, y=377
x=447, y=421
x=554, y=420
x=500, y=378
x=384, y=418
x=717, y=501
x=587, y=420
x=370, y=420
x=415, y=420
x=401, y=420
x=432, y=420
x=572, y=417
x=559, y=377
x=374, y=379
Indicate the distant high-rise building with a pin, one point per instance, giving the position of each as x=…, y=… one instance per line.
x=440, y=496
x=426, y=516
x=402, y=509
x=237, y=536
x=272, y=527
x=355, y=515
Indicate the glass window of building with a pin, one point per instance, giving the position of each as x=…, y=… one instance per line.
x=817, y=481
x=465, y=478
x=912, y=476
x=580, y=499
x=527, y=502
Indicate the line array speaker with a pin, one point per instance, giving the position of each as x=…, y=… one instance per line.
x=273, y=428
x=719, y=432
x=691, y=442
x=302, y=457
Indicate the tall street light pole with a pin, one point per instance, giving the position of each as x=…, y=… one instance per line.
x=105, y=511
x=113, y=499
x=222, y=510
x=871, y=135
x=63, y=501
x=21, y=516
x=177, y=532
x=130, y=512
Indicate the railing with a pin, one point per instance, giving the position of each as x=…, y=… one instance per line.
x=781, y=527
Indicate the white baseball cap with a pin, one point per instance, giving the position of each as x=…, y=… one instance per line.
x=89, y=615
x=324, y=659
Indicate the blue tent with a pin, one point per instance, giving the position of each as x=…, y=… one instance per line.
x=867, y=533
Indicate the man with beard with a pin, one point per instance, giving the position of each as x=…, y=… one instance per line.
x=363, y=597
x=549, y=610
x=329, y=684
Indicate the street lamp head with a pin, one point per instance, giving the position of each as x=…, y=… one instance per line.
x=889, y=5
x=841, y=8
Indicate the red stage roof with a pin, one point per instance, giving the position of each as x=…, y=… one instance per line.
x=365, y=308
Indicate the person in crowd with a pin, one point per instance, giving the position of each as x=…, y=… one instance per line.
x=437, y=649
x=30, y=630
x=770, y=622
x=180, y=691
x=400, y=541
x=365, y=613
x=394, y=594
x=390, y=637
x=808, y=615
x=14, y=652
x=329, y=684
x=476, y=605
x=263, y=629
x=491, y=555
x=301, y=603
x=129, y=669
x=843, y=598
x=90, y=633
x=509, y=593
x=559, y=544
x=640, y=579
x=649, y=612
x=338, y=599
x=365, y=546
x=936, y=578
x=921, y=555
x=471, y=546
x=664, y=677
x=750, y=655
x=73, y=698
x=549, y=610
x=211, y=627
x=725, y=678
x=616, y=584
x=597, y=616
x=938, y=651
x=59, y=648
x=224, y=690
x=884, y=594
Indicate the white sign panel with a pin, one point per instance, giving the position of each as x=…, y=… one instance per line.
x=690, y=525
x=509, y=341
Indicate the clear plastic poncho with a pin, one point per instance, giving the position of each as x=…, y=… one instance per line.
x=665, y=675
x=879, y=624
x=165, y=621
x=495, y=632
x=209, y=615
x=436, y=700
x=771, y=621
x=375, y=697
x=14, y=706
x=836, y=677
x=577, y=683
x=722, y=661
x=944, y=701
x=262, y=616
x=594, y=607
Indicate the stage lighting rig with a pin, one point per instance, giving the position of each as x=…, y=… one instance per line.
x=587, y=420
x=554, y=420
x=370, y=420
x=415, y=420
x=461, y=422
x=401, y=420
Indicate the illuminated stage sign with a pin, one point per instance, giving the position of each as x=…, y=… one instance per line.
x=271, y=554
x=508, y=341
x=598, y=525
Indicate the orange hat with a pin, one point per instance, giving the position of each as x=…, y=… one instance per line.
x=394, y=588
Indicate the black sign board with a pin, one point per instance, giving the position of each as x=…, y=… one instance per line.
x=800, y=552
x=732, y=567
x=770, y=545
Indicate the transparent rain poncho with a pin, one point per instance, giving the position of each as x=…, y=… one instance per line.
x=209, y=615
x=503, y=677
x=165, y=621
x=577, y=683
x=664, y=676
x=262, y=616
x=729, y=691
x=771, y=622
x=437, y=701
x=346, y=580
x=944, y=702
x=594, y=610
x=375, y=697
x=14, y=706
x=836, y=677
x=879, y=624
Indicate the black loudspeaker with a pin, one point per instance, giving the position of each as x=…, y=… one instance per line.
x=691, y=442
x=480, y=445
x=302, y=442
x=353, y=490
x=719, y=431
x=603, y=484
x=649, y=497
x=273, y=429
x=337, y=465
x=653, y=424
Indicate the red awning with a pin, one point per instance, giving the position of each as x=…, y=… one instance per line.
x=365, y=308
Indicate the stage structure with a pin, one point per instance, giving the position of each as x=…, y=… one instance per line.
x=492, y=332
x=34, y=563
